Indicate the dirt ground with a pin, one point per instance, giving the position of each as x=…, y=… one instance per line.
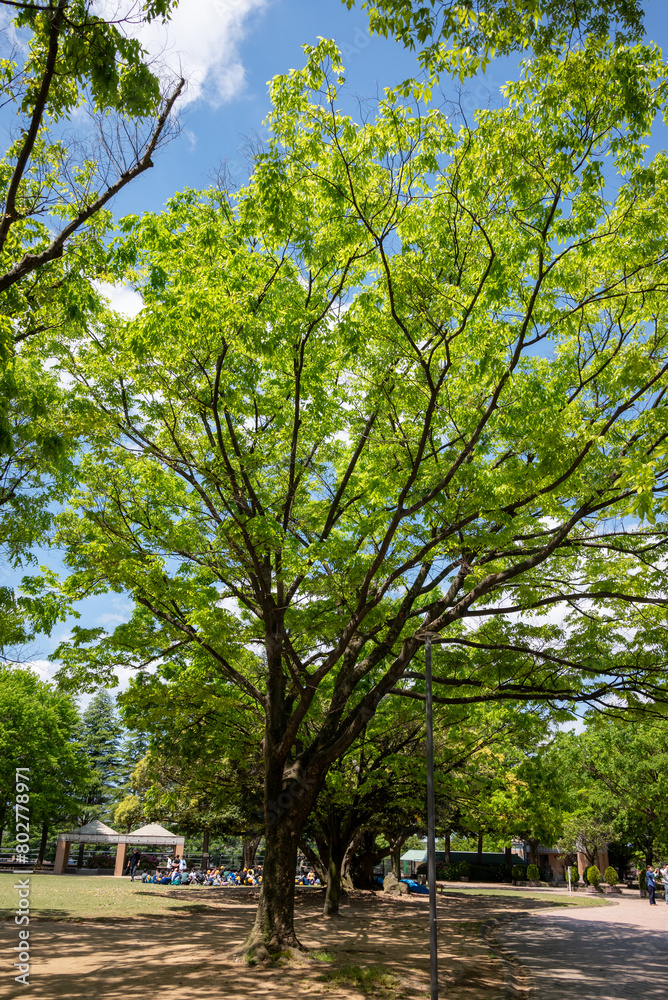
x=379, y=947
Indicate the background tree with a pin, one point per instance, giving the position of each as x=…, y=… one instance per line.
x=585, y=833
x=374, y=788
x=532, y=805
x=56, y=180
x=100, y=738
x=620, y=767
x=203, y=768
x=39, y=730
x=409, y=378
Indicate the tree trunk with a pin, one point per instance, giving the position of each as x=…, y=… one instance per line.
x=533, y=852
x=395, y=851
x=274, y=930
x=365, y=861
x=314, y=861
x=480, y=836
x=251, y=845
x=395, y=859
x=333, y=893
x=446, y=840
x=42, y=844
x=289, y=794
x=205, y=850
x=346, y=876
x=80, y=859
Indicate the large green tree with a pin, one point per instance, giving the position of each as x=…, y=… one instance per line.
x=85, y=116
x=39, y=732
x=410, y=380
x=618, y=770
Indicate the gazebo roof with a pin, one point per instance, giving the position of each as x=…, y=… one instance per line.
x=94, y=832
x=98, y=833
x=152, y=833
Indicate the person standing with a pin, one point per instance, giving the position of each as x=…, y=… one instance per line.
x=664, y=876
x=650, y=882
x=135, y=858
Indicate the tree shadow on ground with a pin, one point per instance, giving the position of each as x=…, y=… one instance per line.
x=191, y=956
x=596, y=960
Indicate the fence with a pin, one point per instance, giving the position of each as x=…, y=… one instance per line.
x=10, y=858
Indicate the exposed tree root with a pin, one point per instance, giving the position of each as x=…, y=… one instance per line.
x=256, y=951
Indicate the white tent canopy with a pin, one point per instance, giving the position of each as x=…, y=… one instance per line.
x=94, y=832
x=152, y=833
x=97, y=833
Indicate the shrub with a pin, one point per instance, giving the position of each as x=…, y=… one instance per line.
x=547, y=874
x=610, y=876
x=100, y=861
x=593, y=876
x=444, y=872
x=505, y=872
x=642, y=881
x=490, y=873
x=519, y=873
x=533, y=874
x=479, y=873
x=575, y=875
x=464, y=869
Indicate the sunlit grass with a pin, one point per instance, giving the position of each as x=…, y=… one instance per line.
x=370, y=980
x=81, y=897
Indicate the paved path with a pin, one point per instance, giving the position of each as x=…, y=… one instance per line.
x=615, y=952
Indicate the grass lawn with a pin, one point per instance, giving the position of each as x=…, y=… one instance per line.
x=81, y=897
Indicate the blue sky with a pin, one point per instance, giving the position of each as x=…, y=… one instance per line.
x=229, y=49
x=267, y=38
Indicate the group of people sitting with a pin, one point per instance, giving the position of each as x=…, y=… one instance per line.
x=305, y=877
x=178, y=874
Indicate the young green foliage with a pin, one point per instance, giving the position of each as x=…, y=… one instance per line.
x=461, y=37
x=411, y=378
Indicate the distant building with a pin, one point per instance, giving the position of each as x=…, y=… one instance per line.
x=553, y=858
x=519, y=853
x=411, y=859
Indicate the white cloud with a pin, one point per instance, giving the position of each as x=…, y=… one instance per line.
x=46, y=671
x=43, y=668
x=123, y=299
x=201, y=42
x=119, y=611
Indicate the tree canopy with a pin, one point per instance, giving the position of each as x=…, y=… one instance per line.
x=411, y=378
x=462, y=36
x=85, y=115
x=39, y=731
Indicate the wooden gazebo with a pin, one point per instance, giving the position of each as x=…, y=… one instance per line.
x=97, y=833
x=92, y=833
x=150, y=835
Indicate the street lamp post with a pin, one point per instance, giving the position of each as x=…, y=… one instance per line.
x=431, y=826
